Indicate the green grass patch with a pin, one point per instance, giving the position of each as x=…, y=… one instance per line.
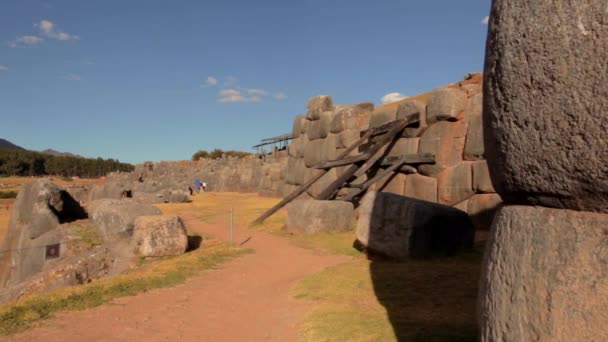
x=8, y=194
x=16, y=317
x=332, y=243
x=88, y=234
x=416, y=300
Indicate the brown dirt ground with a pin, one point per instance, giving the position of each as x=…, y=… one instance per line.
x=246, y=299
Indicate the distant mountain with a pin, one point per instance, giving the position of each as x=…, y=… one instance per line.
x=7, y=145
x=60, y=154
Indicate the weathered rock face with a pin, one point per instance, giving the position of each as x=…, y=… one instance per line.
x=75, y=270
x=545, y=276
x=401, y=227
x=38, y=211
x=546, y=103
x=308, y=217
x=155, y=236
x=115, y=217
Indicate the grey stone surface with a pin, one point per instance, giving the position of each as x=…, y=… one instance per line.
x=421, y=187
x=159, y=235
x=454, y=184
x=482, y=183
x=546, y=103
x=383, y=115
x=445, y=104
x=308, y=217
x=349, y=113
x=297, y=125
x=317, y=105
x=35, y=221
x=415, y=112
x=317, y=130
x=445, y=140
x=400, y=227
x=545, y=276
x=114, y=217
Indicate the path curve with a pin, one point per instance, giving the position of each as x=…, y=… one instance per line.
x=245, y=299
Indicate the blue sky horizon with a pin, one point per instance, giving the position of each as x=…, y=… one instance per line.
x=159, y=80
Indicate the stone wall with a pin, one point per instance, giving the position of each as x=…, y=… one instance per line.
x=162, y=181
x=446, y=122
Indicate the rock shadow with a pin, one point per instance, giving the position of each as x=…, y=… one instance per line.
x=194, y=243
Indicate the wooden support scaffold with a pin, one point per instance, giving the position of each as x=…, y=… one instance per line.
x=376, y=138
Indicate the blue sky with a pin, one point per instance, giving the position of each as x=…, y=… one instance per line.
x=158, y=80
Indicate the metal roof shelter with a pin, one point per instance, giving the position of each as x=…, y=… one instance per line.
x=282, y=141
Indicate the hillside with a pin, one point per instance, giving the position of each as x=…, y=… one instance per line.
x=7, y=145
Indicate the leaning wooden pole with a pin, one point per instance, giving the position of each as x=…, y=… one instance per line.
x=355, y=170
x=307, y=185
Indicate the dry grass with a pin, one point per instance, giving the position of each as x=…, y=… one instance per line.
x=382, y=301
x=15, y=183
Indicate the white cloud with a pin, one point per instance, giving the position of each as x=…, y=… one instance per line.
x=234, y=95
x=257, y=92
x=229, y=92
x=392, y=97
x=485, y=20
x=49, y=29
x=211, y=81
x=3, y=67
x=72, y=77
x=24, y=41
x=280, y=96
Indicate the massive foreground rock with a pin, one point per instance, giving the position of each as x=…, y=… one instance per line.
x=38, y=211
x=546, y=103
x=400, y=227
x=314, y=216
x=546, y=276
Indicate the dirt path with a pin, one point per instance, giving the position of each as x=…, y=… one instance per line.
x=246, y=299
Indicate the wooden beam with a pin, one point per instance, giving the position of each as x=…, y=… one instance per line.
x=307, y=185
x=355, y=170
x=342, y=162
x=416, y=158
x=375, y=179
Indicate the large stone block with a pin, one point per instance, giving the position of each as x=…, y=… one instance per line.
x=308, y=217
x=323, y=182
x=317, y=129
x=454, y=184
x=400, y=227
x=114, y=217
x=350, y=114
x=300, y=172
x=421, y=187
x=415, y=112
x=445, y=140
x=317, y=105
x=313, y=153
x=482, y=183
x=349, y=137
x=161, y=235
x=394, y=183
x=474, y=146
x=481, y=208
x=382, y=115
x=297, y=125
x=404, y=146
x=445, y=104
x=546, y=103
x=545, y=276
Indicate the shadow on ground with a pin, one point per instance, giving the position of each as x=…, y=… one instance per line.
x=430, y=300
x=194, y=242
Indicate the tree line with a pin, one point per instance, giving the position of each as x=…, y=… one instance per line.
x=217, y=154
x=29, y=163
